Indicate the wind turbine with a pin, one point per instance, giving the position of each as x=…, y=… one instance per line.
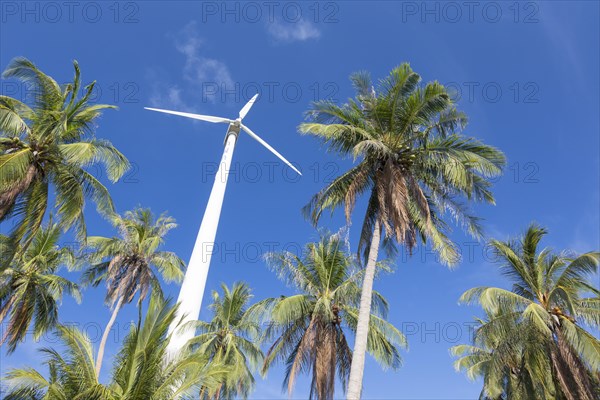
x=192, y=289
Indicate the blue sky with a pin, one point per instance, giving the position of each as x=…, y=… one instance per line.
x=525, y=73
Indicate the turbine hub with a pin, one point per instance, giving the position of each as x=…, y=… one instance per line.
x=234, y=129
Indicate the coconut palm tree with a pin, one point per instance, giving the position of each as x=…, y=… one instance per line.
x=51, y=142
x=129, y=264
x=228, y=339
x=413, y=165
x=140, y=372
x=550, y=296
x=309, y=329
x=31, y=289
x=510, y=358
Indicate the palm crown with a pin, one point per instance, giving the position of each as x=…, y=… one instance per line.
x=551, y=297
x=511, y=359
x=31, y=290
x=413, y=160
x=309, y=328
x=229, y=339
x=126, y=262
x=141, y=369
x=51, y=142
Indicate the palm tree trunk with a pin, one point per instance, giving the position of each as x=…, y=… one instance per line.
x=8, y=197
x=364, y=315
x=562, y=374
x=583, y=386
x=325, y=363
x=105, y=336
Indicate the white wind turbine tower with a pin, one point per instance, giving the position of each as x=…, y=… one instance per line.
x=192, y=289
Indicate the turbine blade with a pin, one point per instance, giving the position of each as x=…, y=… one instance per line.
x=259, y=140
x=208, y=118
x=248, y=106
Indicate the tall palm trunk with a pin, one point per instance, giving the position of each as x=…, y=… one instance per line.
x=105, y=335
x=8, y=197
x=325, y=362
x=364, y=315
x=583, y=386
x=562, y=374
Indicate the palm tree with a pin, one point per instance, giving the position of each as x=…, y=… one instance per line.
x=414, y=165
x=549, y=297
x=31, y=290
x=140, y=372
x=228, y=340
x=127, y=263
x=51, y=142
x=309, y=328
x=510, y=358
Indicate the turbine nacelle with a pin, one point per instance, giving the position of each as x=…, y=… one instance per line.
x=235, y=122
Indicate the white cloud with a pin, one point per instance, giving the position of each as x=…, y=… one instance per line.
x=164, y=94
x=167, y=96
x=198, y=68
x=199, y=72
x=293, y=31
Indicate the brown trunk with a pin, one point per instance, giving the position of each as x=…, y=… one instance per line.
x=325, y=362
x=563, y=376
x=570, y=359
x=8, y=197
